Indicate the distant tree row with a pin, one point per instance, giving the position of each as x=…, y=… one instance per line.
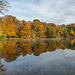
x=11, y=27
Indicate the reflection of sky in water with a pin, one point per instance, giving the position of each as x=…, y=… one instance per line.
x=59, y=62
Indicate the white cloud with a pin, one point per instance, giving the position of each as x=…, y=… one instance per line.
x=54, y=11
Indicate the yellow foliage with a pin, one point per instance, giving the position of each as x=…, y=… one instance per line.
x=59, y=31
x=39, y=29
x=8, y=26
x=72, y=32
x=25, y=29
x=72, y=42
x=1, y=33
x=8, y=51
x=39, y=48
x=25, y=48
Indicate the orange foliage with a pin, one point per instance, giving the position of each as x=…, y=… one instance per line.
x=8, y=26
x=25, y=29
x=8, y=51
x=52, y=24
x=25, y=48
x=39, y=29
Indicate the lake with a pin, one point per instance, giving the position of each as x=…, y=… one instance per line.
x=39, y=57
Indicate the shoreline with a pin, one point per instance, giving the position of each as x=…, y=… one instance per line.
x=36, y=39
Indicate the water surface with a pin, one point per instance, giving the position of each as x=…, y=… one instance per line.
x=51, y=57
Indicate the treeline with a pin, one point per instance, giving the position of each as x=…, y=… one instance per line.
x=10, y=26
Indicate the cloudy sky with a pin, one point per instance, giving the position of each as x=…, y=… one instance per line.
x=50, y=11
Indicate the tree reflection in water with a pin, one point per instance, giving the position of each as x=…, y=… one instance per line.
x=11, y=50
x=2, y=69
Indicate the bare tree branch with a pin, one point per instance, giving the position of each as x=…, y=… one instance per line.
x=4, y=5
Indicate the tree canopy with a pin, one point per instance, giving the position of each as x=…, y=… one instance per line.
x=10, y=26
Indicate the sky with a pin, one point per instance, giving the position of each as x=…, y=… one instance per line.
x=50, y=11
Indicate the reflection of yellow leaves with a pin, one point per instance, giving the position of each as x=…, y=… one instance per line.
x=39, y=48
x=1, y=44
x=8, y=50
x=61, y=41
x=25, y=48
x=60, y=44
x=58, y=40
x=51, y=46
x=72, y=42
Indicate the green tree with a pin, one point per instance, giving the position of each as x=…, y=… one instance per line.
x=65, y=33
x=50, y=32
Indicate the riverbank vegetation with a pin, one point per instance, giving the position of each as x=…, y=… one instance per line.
x=11, y=27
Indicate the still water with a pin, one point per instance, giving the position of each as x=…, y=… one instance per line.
x=50, y=57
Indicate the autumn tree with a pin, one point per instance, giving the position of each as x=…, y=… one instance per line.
x=8, y=26
x=39, y=28
x=25, y=30
x=1, y=33
x=65, y=33
x=73, y=27
x=17, y=24
x=50, y=31
x=51, y=24
x=1, y=23
x=72, y=42
x=72, y=32
x=59, y=31
x=33, y=34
